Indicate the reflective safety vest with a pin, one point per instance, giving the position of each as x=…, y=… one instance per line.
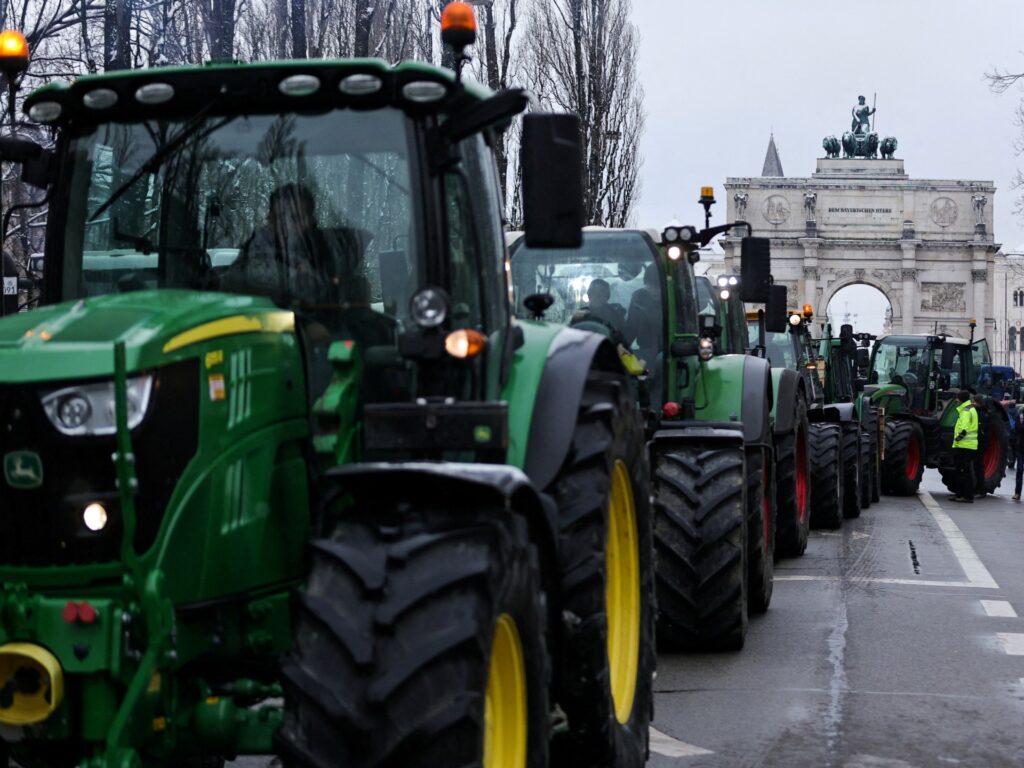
x=966, y=421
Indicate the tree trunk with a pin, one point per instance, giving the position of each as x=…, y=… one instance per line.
x=116, y=34
x=299, y=47
x=365, y=10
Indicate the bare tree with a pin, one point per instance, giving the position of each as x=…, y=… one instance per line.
x=1000, y=81
x=582, y=58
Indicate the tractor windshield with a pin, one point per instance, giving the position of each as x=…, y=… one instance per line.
x=906, y=365
x=780, y=346
x=611, y=285
x=308, y=210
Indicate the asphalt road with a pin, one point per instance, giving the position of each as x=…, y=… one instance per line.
x=891, y=643
x=878, y=651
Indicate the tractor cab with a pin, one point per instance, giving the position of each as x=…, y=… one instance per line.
x=792, y=348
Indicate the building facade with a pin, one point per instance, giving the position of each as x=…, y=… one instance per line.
x=927, y=244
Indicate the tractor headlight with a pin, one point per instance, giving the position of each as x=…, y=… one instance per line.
x=429, y=308
x=705, y=349
x=88, y=409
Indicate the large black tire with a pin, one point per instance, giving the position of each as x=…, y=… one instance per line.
x=792, y=488
x=760, y=531
x=394, y=636
x=904, y=458
x=994, y=458
x=700, y=525
x=851, y=463
x=867, y=469
x=827, y=476
x=876, y=455
x=608, y=452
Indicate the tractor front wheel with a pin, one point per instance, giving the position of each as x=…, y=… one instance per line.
x=904, y=458
x=851, y=462
x=827, y=471
x=605, y=668
x=760, y=530
x=792, y=488
x=420, y=642
x=700, y=534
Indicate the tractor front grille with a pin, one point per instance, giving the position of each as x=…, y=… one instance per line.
x=43, y=526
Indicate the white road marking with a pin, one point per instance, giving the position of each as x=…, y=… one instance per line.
x=1000, y=608
x=975, y=571
x=905, y=582
x=1012, y=642
x=665, y=745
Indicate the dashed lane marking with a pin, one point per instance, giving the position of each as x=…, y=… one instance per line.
x=905, y=582
x=1000, y=608
x=1012, y=642
x=665, y=745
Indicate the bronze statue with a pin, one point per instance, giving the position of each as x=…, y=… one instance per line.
x=861, y=117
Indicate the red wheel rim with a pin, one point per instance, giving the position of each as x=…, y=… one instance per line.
x=991, y=459
x=913, y=459
x=766, y=505
x=801, y=476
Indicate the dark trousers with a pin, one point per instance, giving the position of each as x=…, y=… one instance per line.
x=1018, y=456
x=963, y=459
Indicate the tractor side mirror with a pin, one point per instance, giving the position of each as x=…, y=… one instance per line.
x=846, y=331
x=755, y=269
x=36, y=162
x=948, y=354
x=775, y=315
x=863, y=358
x=552, y=165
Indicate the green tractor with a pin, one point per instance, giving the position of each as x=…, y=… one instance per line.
x=914, y=380
x=307, y=486
x=708, y=420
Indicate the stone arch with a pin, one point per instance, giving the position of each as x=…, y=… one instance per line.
x=887, y=290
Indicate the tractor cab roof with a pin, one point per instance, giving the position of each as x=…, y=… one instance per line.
x=261, y=87
x=922, y=340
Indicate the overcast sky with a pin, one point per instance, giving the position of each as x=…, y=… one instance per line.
x=720, y=75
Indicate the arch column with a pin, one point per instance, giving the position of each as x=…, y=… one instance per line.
x=810, y=273
x=908, y=274
x=979, y=280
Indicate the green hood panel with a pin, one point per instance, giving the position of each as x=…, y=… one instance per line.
x=74, y=340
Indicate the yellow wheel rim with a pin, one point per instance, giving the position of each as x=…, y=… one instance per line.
x=622, y=593
x=505, y=729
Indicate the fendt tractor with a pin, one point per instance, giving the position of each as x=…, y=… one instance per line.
x=915, y=379
x=282, y=472
x=791, y=430
x=837, y=462
x=846, y=359
x=708, y=419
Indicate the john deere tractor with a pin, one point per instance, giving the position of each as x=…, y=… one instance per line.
x=708, y=418
x=273, y=434
x=915, y=379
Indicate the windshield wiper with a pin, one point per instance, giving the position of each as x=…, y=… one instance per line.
x=163, y=154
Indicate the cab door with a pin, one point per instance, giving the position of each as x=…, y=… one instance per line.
x=981, y=362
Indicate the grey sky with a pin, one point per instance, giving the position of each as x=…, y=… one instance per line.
x=720, y=75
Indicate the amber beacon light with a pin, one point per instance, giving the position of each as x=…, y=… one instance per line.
x=458, y=25
x=13, y=52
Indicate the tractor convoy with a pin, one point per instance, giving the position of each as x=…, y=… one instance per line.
x=304, y=455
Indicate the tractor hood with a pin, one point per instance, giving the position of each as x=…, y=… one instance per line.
x=76, y=340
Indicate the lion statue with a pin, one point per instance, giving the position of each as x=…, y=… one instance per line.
x=831, y=146
x=888, y=147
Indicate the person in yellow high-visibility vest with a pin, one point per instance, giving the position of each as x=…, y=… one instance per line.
x=965, y=446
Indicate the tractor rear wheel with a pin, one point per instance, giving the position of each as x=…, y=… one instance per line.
x=904, y=458
x=760, y=531
x=419, y=642
x=852, y=466
x=700, y=534
x=605, y=668
x=827, y=473
x=792, y=488
x=995, y=449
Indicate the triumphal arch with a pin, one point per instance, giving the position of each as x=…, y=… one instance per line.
x=927, y=244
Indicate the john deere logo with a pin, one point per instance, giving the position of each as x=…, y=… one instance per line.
x=23, y=469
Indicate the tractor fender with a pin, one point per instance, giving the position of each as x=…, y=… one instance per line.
x=833, y=413
x=571, y=356
x=381, y=484
x=737, y=388
x=704, y=432
x=789, y=384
